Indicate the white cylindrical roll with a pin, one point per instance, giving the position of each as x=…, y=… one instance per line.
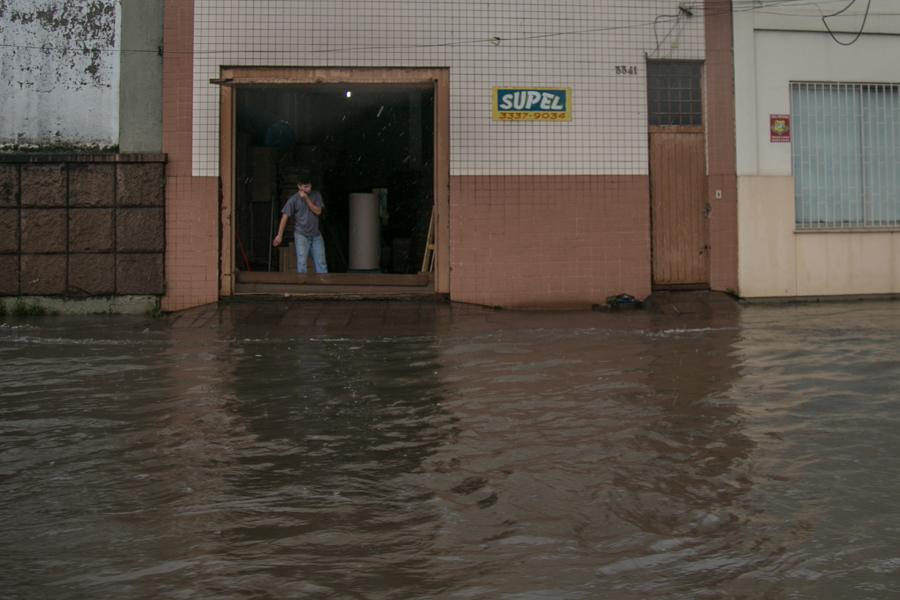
x=365, y=230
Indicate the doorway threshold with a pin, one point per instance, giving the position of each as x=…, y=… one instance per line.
x=323, y=284
x=680, y=287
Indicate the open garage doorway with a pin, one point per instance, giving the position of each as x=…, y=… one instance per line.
x=373, y=144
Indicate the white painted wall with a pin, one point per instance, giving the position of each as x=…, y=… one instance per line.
x=773, y=48
x=59, y=72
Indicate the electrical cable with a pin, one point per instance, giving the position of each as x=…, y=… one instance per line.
x=682, y=10
x=845, y=9
x=738, y=6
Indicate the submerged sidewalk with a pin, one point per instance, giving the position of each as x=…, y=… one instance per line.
x=365, y=317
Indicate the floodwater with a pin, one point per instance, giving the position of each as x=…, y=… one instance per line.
x=406, y=450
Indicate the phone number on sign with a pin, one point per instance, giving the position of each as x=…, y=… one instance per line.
x=532, y=116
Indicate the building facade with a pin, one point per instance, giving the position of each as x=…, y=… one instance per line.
x=818, y=132
x=628, y=185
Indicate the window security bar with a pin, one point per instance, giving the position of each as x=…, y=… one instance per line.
x=846, y=154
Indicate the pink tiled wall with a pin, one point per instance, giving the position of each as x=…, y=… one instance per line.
x=548, y=241
x=192, y=238
x=721, y=141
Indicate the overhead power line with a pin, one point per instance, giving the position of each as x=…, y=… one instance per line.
x=861, y=27
x=736, y=6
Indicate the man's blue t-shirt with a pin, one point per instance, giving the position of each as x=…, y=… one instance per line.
x=306, y=222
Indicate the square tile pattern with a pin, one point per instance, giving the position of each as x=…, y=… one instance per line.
x=598, y=49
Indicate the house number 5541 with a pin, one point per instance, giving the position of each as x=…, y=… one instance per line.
x=623, y=70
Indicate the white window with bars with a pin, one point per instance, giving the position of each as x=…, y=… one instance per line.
x=845, y=140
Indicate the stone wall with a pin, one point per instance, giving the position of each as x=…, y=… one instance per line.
x=82, y=225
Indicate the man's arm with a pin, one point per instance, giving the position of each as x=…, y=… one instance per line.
x=281, y=225
x=317, y=210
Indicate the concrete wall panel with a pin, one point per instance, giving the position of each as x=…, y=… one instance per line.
x=895, y=263
x=140, y=100
x=92, y=274
x=845, y=263
x=870, y=261
x=91, y=230
x=9, y=186
x=811, y=260
x=9, y=231
x=767, y=263
x=92, y=185
x=140, y=184
x=9, y=274
x=44, y=185
x=44, y=231
x=43, y=274
x=140, y=230
x=139, y=274
x=62, y=240
x=60, y=72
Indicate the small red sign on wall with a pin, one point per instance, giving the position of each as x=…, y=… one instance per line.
x=780, y=128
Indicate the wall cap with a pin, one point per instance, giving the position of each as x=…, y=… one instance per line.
x=82, y=158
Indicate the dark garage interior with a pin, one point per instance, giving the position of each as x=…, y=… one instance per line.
x=352, y=139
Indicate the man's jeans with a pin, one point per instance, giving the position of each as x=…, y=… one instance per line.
x=303, y=244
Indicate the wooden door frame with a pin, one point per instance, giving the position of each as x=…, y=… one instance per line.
x=234, y=77
x=702, y=129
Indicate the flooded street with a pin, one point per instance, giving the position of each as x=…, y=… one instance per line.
x=402, y=450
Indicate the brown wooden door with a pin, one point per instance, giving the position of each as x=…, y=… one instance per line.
x=678, y=218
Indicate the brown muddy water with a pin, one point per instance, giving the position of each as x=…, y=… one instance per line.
x=426, y=450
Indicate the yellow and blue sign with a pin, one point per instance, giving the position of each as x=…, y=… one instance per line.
x=532, y=104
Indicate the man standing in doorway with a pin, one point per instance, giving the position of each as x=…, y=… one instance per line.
x=305, y=206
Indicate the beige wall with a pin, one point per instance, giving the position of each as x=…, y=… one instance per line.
x=766, y=247
x=775, y=260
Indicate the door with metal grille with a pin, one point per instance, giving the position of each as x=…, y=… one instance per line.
x=678, y=181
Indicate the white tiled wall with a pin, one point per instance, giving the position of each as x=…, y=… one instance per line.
x=568, y=43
